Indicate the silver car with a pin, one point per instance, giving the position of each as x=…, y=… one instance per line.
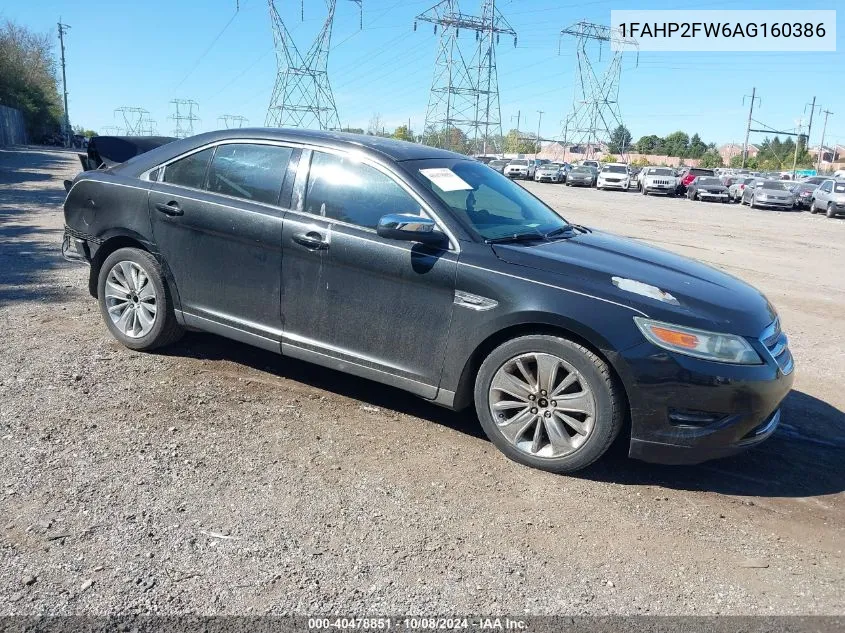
x=830, y=198
x=768, y=193
x=660, y=180
x=735, y=190
x=550, y=172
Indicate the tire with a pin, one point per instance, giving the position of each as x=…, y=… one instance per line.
x=134, y=333
x=831, y=210
x=812, y=208
x=752, y=203
x=593, y=379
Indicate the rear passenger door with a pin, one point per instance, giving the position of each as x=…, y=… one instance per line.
x=371, y=304
x=217, y=219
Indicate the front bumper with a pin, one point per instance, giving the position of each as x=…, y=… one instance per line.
x=580, y=182
x=516, y=174
x=546, y=178
x=686, y=410
x=621, y=184
x=775, y=204
x=720, y=197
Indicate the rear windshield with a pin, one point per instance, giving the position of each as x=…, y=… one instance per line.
x=774, y=184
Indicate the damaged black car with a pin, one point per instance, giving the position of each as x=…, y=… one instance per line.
x=426, y=270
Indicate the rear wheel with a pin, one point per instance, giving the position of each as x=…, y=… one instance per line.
x=135, y=301
x=548, y=402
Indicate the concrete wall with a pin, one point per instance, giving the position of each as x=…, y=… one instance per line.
x=12, y=129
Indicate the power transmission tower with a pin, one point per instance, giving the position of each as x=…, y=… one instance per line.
x=133, y=120
x=302, y=96
x=231, y=121
x=149, y=127
x=184, y=117
x=463, y=112
x=595, y=108
x=62, y=30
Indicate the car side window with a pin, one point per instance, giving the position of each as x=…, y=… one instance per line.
x=826, y=187
x=344, y=189
x=249, y=171
x=189, y=171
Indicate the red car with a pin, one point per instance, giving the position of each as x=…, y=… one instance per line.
x=691, y=175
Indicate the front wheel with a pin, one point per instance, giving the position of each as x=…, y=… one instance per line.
x=135, y=301
x=831, y=210
x=548, y=402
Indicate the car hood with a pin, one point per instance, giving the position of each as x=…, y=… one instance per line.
x=587, y=263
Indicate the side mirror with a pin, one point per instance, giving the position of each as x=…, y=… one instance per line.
x=410, y=228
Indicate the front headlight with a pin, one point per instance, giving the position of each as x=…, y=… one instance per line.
x=722, y=348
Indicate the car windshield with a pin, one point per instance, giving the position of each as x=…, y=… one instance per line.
x=519, y=163
x=580, y=169
x=774, y=184
x=498, y=163
x=707, y=182
x=660, y=172
x=490, y=203
x=616, y=169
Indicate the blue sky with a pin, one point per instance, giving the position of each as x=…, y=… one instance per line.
x=147, y=53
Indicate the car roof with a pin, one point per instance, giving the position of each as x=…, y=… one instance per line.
x=377, y=146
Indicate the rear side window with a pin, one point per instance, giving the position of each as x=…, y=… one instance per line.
x=249, y=171
x=189, y=171
x=344, y=189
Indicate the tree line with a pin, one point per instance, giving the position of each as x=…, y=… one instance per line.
x=28, y=78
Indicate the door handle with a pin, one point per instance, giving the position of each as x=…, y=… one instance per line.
x=171, y=208
x=311, y=239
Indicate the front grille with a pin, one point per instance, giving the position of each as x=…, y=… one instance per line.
x=778, y=345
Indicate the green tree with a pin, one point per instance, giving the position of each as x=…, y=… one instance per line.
x=651, y=144
x=79, y=129
x=608, y=158
x=696, y=147
x=620, y=140
x=517, y=142
x=711, y=158
x=676, y=144
x=28, y=78
x=403, y=133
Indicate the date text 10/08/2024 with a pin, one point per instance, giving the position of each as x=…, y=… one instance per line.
x=419, y=623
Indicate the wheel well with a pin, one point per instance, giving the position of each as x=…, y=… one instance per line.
x=466, y=385
x=107, y=248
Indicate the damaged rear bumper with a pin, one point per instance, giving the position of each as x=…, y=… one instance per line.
x=76, y=246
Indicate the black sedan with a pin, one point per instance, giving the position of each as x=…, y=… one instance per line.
x=582, y=176
x=802, y=192
x=428, y=271
x=707, y=188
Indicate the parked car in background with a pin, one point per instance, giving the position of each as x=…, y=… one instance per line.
x=485, y=159
x=736, y=189
x=829, y=198
x=591, y=163
x=839, y=174
x=706, y=188
x=517, y=168
x=614, y=176
x=661, y=180
x=550, y=172
x=813, y=180
x=691, y=175
x=768, y=193
x=498, y=164
x=581, y=176
x=634, y=173
x=534, y=163
x=433, y=274
x=803, y=194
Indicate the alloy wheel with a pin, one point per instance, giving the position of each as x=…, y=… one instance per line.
x=131, y=299
x=542, y=405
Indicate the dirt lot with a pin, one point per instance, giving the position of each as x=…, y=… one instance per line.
x=216, y=478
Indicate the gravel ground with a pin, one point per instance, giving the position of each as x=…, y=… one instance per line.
x=215, y=478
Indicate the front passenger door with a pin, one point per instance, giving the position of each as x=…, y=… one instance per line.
x=368, y=301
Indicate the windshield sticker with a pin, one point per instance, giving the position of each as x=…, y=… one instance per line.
x=446, y=179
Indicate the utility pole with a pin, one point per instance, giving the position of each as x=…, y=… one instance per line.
x=62, y=30
x=518, y=119
x=748, y=127
x=826, y=113
x=812, y=112
x=537, y=146
x=797, y=145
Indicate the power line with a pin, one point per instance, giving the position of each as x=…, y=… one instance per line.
x=208, y=49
